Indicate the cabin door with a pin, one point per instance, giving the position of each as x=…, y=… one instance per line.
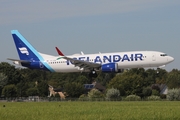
x=153, y=57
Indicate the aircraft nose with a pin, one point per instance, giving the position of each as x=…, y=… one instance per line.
x=170, y=59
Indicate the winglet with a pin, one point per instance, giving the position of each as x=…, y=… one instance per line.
x=59, y=52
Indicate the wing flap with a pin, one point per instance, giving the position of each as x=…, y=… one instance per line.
x=83, y=64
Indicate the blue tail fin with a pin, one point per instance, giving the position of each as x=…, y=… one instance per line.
x=25, y=50
x=28, y=54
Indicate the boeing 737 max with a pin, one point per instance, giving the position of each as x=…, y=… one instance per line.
x=105, y=62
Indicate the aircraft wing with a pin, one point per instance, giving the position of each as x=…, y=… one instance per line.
x=83, y=64
x=80, y=63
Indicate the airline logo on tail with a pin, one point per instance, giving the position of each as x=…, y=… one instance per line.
x=24, y=50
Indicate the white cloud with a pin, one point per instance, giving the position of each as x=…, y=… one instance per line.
x=21, y=11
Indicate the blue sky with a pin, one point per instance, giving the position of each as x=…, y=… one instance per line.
x=92, y=26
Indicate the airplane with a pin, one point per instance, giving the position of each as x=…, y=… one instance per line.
x=105, y=62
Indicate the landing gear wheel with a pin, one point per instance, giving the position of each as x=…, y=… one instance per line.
x=158, y=70
x=93, y=74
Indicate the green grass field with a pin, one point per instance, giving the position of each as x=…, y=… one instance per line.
x=162, y=110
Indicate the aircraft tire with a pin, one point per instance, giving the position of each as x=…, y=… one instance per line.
x=93, y=74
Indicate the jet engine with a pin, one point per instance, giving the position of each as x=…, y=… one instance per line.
x=110, y=67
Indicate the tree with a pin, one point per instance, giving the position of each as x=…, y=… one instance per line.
x=9, y=91
x=147, y=91
x=128, y=84
x=22, y=88
x=43, y=88
x=3, y=81
x=150, y=78
x=104, y=78
x=13, y=74
x=161, y=76
x=173, y=79
x=74, y=89
x=118, y=83
x=54, y=83
x=32, y=91
x=82, y=79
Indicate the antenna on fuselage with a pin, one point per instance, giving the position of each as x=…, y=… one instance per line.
x=82, y=53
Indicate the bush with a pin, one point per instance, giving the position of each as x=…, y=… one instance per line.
x=95, y=94
x=83, y=97
x=153, y=98
x=132, y=98
x=173, y=94
x=147, y=91
x=155, y=92
x=163, y=96
x=113, y=94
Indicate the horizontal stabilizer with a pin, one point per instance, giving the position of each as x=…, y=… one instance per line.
x=21, y=61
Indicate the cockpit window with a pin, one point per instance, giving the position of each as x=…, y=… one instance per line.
x=163, y=54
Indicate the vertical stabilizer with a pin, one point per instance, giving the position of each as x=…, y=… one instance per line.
x=25, y=50
x=28, y=54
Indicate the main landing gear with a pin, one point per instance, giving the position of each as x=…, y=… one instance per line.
x=92, y=75
x=158, y=70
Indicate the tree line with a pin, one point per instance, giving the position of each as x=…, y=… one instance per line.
x=24, y=82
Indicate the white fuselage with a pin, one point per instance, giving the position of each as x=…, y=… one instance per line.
x=134, y=59
x=106, y=62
